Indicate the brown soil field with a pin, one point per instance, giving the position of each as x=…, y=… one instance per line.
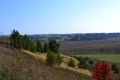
x=97, y=46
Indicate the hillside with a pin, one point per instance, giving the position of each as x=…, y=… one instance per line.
x=17, y=65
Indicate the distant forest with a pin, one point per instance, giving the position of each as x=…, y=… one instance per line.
x=75, y=37
x=72, y=37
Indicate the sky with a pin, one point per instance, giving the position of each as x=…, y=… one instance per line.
x=59, y=16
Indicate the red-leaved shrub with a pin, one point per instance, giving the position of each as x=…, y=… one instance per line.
x=103, y=71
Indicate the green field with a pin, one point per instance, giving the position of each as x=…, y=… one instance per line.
x=105, y=57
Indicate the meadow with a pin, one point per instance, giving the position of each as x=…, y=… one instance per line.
x=105, y=57
x=113, y=59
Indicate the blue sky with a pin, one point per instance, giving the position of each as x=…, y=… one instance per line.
x=59, y=16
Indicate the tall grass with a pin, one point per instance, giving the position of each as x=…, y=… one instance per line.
x=16, y=65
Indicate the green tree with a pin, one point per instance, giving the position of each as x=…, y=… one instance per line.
x=26, y=42
x=15, y=39
x=32, y=47
x=46, y=47
x=71, y=63
x=39, y=46
x=54, y=46
x=20, y=44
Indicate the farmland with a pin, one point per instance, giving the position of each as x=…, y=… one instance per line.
x=111, y=46
x=106, y=57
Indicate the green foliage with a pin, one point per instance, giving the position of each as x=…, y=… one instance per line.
x=26, y=42
x=91, y=62
x=82, y=61
x=115, y=68
x=39, y=46
x=59, y=59
x=71, y=63
x=86, y=58
x=46, y=47
x=33, y=47
x=15, y=39
x=51, y=58
x=18, y=41
x=54, y=46
x=84, y=66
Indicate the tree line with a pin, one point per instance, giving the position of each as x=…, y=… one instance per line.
x=51, y=48
x=23, y=42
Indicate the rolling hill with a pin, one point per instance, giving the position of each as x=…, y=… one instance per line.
x=19, y=65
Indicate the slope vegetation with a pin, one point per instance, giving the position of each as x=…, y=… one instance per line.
x=17, y=65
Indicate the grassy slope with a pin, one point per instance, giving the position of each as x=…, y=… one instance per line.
x=42, y=57
x=16, y=65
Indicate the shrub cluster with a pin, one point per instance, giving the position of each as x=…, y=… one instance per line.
x=53, y=58
x=71, y=63
x=115, y=68
x=82, y=61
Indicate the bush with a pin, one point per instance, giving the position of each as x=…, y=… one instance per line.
x=115, y=68
x=85, y=66
x=50, y=58
x=86, y=58
x=91, y=62
x=71, y=63
x=53, y=58
x=82, y=61
x=103, y=71
x=59, y=59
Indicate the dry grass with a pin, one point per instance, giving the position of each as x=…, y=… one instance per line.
x=64, y=64
x=16, y=65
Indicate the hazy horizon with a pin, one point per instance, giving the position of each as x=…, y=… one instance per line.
x=60, y=17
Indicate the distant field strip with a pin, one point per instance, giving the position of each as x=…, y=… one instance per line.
x=105, y=57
